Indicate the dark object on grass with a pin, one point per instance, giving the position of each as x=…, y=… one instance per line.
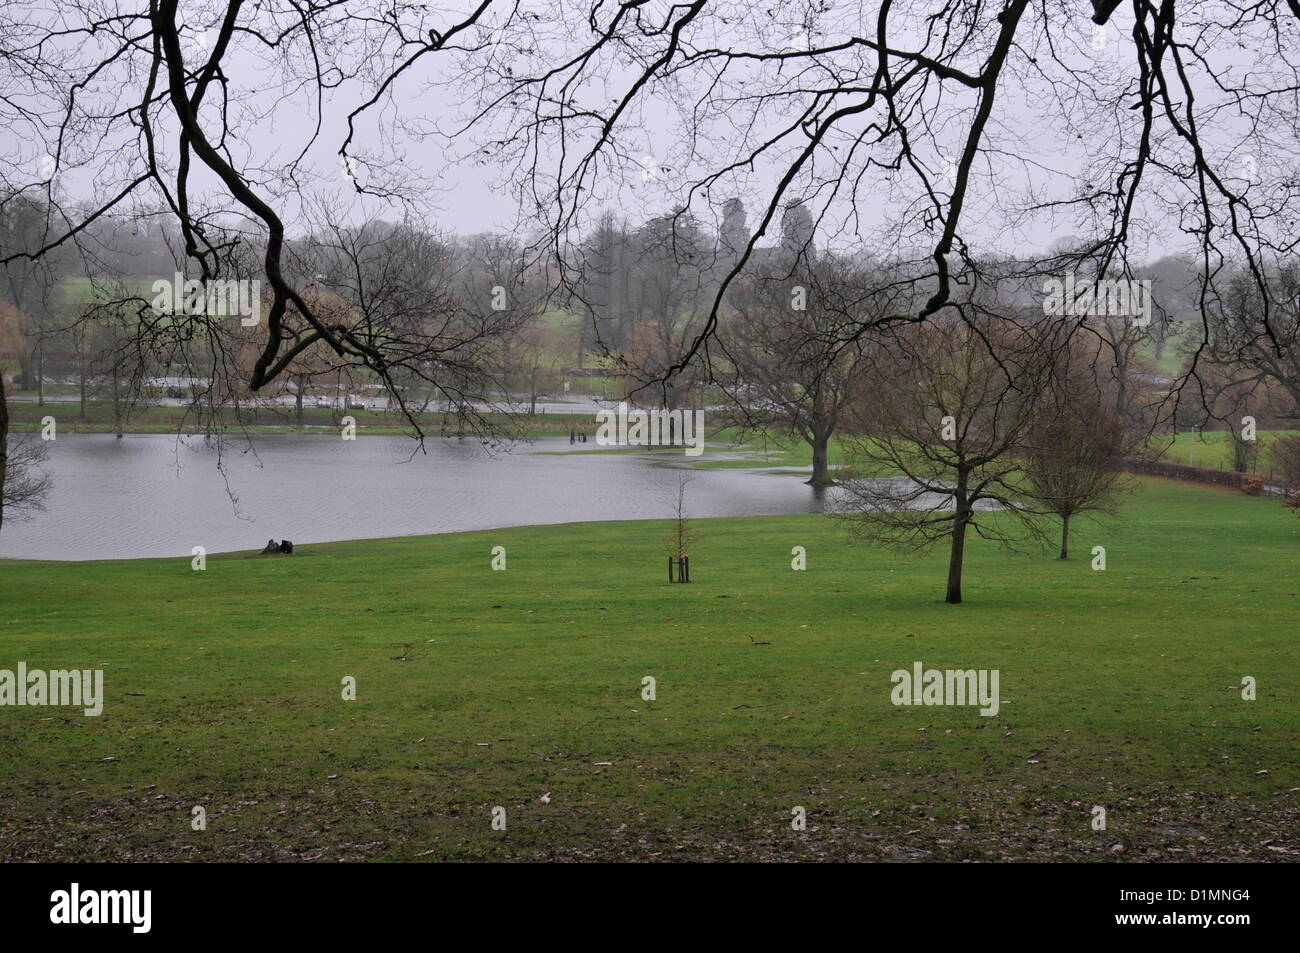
x=286, y=546
x=272, y=547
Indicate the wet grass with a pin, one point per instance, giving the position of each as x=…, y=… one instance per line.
x=478, y=688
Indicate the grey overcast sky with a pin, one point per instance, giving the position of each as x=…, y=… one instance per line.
x=1045, y=149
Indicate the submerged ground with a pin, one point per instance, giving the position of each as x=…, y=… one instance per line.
x=478, y=688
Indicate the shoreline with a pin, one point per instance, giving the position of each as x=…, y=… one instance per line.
x=297, y=547
x=411, y=537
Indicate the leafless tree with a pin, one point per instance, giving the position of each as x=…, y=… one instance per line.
x=444, y=314
x=1285, y=452
x=145, y=95
x=23, y=485
x=1072, y=452
x=29, y=300
x=791, y=333
x=532, y=363
x=30, y=284
x=313, y=366
x=919, y=108
x=669, y=278
x=116, y=367
x=947, y=408
x=601, y=293
x=1255, y=338
x=679, y=542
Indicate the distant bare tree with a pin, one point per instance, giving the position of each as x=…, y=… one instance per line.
x=315, y=364
x=30, y=284
x=533, y=363
x=443, y=314
x=1071, y=454
x=1285, y=452
x=1255, y=337
x=161, y=103
x=1245, y=452
x=791, y=335
x=119, y=367
x=12, y=322
x=837, y=105
x=921, y=111
x=669, y=278
x=946, y=410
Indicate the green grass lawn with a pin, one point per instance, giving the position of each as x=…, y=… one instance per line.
x=478, y=688
x=1214, y=449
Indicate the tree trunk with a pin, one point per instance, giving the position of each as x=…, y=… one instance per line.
x=4, y=446
x=81, y=383
x=1121, y=386
x=955, y=557
x=821, y=469
x=1065, y=537
x=118, y=412
x=40, y=373
x=961, y=519
x=298, y=401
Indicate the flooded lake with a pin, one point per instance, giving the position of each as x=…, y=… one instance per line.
x=152, y=495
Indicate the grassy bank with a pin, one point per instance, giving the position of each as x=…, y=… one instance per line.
x=478, y=688
x=733, y=448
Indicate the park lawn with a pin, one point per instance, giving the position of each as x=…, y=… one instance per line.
x=478, y=688
x=1214, y=449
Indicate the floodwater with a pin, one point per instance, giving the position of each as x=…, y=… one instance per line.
x=157, y=495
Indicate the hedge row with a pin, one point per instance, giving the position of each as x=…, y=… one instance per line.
x=1181, y=471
